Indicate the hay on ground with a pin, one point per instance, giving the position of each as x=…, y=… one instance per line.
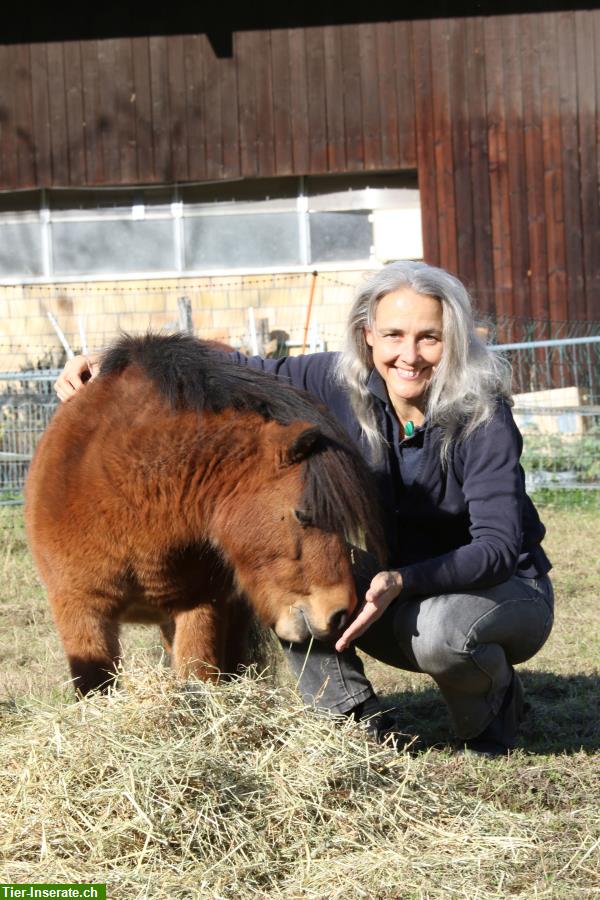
x=164, y=790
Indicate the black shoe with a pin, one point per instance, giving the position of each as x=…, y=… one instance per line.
x=382, y=727
x=385, y=730
x=500, y=736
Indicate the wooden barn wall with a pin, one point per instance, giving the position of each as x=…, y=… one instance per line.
x=508, y=128
x=499, y=116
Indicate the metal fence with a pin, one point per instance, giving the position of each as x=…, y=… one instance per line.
x=556, y=384
x=27, y=404
x=557, y=407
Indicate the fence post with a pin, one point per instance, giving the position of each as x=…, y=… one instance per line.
x=263, y=333
x=61, y=335
x=313, y=285
x=186, y=323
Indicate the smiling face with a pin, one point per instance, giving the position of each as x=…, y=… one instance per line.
x=406, y=339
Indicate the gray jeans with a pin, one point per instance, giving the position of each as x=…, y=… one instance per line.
x=467, y=642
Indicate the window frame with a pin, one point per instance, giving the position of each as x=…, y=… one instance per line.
x=304, y=196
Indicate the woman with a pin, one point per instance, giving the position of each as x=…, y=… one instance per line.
x=466, y=592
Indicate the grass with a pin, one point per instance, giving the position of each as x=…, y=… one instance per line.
x=166, y=790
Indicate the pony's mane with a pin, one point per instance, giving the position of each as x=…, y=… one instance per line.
x=339, y=494
x=194, y=374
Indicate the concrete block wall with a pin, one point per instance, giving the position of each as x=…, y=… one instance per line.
x=220, y=311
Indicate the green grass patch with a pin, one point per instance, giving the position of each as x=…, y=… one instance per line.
x=567, y=498
x=554, y=453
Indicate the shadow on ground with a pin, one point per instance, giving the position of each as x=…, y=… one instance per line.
x=563, y=714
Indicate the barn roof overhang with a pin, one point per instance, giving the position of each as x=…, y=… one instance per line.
x=24, y=24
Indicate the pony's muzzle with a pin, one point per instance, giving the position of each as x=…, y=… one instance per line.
x=292, y=626
x=298, y=624
x=334, y=627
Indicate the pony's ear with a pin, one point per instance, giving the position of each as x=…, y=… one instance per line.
x=298, y=441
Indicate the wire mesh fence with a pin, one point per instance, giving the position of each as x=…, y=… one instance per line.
x=556, y=386
x=28, y=402
x=556, y=366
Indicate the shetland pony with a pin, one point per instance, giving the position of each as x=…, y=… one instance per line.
x=176, y=484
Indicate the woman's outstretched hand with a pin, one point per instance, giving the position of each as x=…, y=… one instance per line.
x=384, y=588
x=76, y=372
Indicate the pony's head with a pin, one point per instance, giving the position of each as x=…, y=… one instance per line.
x=287, y=531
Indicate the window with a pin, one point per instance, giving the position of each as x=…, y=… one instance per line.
x=104, y=246
x=238, y=225
x=340, y=236
x=20, y=248
x=250, y=240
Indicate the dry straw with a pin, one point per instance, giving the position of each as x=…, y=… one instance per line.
x=164, y=790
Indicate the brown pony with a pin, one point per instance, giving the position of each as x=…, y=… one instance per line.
x=177, y=483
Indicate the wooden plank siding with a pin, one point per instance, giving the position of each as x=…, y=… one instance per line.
x=23, y=115
x=40, y=121
x=518, y=284
x=317, y=105
x=336, y=144
x=441, y=34
x=93, y=119
x=498, y=116
x=498, y=169
x=298, y=100
x=282, y=102
x=483, y=274
x=425, y=142
x=588, y=103
x=8, y=122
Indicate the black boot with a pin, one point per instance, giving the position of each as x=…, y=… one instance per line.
x=500, y=736
x=382, y=726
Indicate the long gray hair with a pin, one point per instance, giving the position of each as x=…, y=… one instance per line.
x=469, y=378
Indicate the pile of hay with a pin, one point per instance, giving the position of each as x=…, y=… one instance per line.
x=165, y=790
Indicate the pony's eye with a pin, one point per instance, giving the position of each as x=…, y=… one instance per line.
x=302, y=516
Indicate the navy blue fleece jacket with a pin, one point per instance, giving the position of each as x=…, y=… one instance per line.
x=464, y=526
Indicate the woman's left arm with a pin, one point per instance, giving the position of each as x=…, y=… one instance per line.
x=494, y=492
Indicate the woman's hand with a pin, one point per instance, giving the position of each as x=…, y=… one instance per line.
x=76, y=372
x=384, y=588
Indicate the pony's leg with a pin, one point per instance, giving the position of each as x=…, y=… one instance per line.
x=91, y=643
x=198, y=642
